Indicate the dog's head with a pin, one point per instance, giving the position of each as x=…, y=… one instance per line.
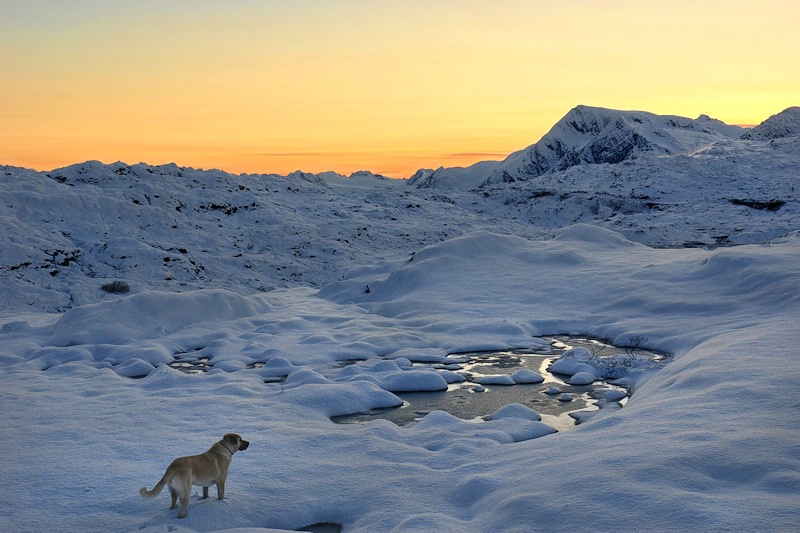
x=236, y=442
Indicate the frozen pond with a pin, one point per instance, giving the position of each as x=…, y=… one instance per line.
x=487, y=385
x=564, y=379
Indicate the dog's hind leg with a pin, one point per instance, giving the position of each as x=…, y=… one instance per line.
x=184, y=493
x=184, y=503
x=174, y=495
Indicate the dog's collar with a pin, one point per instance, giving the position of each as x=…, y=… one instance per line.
x=226, y=449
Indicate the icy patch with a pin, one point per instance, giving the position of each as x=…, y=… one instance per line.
x=190, y=363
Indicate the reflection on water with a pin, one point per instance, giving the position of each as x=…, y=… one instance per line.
x=560, y=404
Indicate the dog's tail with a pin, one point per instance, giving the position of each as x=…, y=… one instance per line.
x=144, y=493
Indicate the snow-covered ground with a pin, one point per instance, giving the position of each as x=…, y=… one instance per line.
x=303, y=272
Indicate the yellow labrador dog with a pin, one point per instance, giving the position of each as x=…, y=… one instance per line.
x=204, y=470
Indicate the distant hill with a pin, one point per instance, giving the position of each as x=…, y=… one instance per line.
x=458, y=177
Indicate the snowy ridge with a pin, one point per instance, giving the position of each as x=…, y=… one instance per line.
x=588, y=135
x=784, y=124
x=453, y=177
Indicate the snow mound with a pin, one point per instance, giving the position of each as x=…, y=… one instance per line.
x=568, y=367
x=525, y=376
x=440, y=431
x=515, y=410
x=498, y=379
x=582, y=378
x=394, y=377
x=134, y=368
x=149, y=314
x=339, y=399
x=587, y=233
x=277, y=367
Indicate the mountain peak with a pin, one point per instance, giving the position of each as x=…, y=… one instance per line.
x=587, y=135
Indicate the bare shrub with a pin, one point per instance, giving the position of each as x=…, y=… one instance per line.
x=598, y=346
x=116, y=287
x=635, y=342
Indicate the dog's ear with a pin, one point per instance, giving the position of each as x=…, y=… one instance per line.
x=233, y=438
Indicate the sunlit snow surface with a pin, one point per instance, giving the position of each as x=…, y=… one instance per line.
x=91, y=409
x=712, y=433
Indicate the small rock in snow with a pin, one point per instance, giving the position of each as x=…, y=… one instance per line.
x=565, y=398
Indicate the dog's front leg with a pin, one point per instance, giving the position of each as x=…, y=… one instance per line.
x=220, y=490
x=205, y=492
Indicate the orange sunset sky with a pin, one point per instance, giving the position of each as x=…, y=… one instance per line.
x=389, y=86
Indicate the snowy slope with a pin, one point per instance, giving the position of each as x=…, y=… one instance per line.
x=69, y=231
x=719, y=195
x=778, y=126
x=589, y=135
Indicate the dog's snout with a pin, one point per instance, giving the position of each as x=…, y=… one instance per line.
x=244, y=445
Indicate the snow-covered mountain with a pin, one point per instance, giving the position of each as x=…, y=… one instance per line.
x=779, y=126
x=67, y=232
x=590, y=135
